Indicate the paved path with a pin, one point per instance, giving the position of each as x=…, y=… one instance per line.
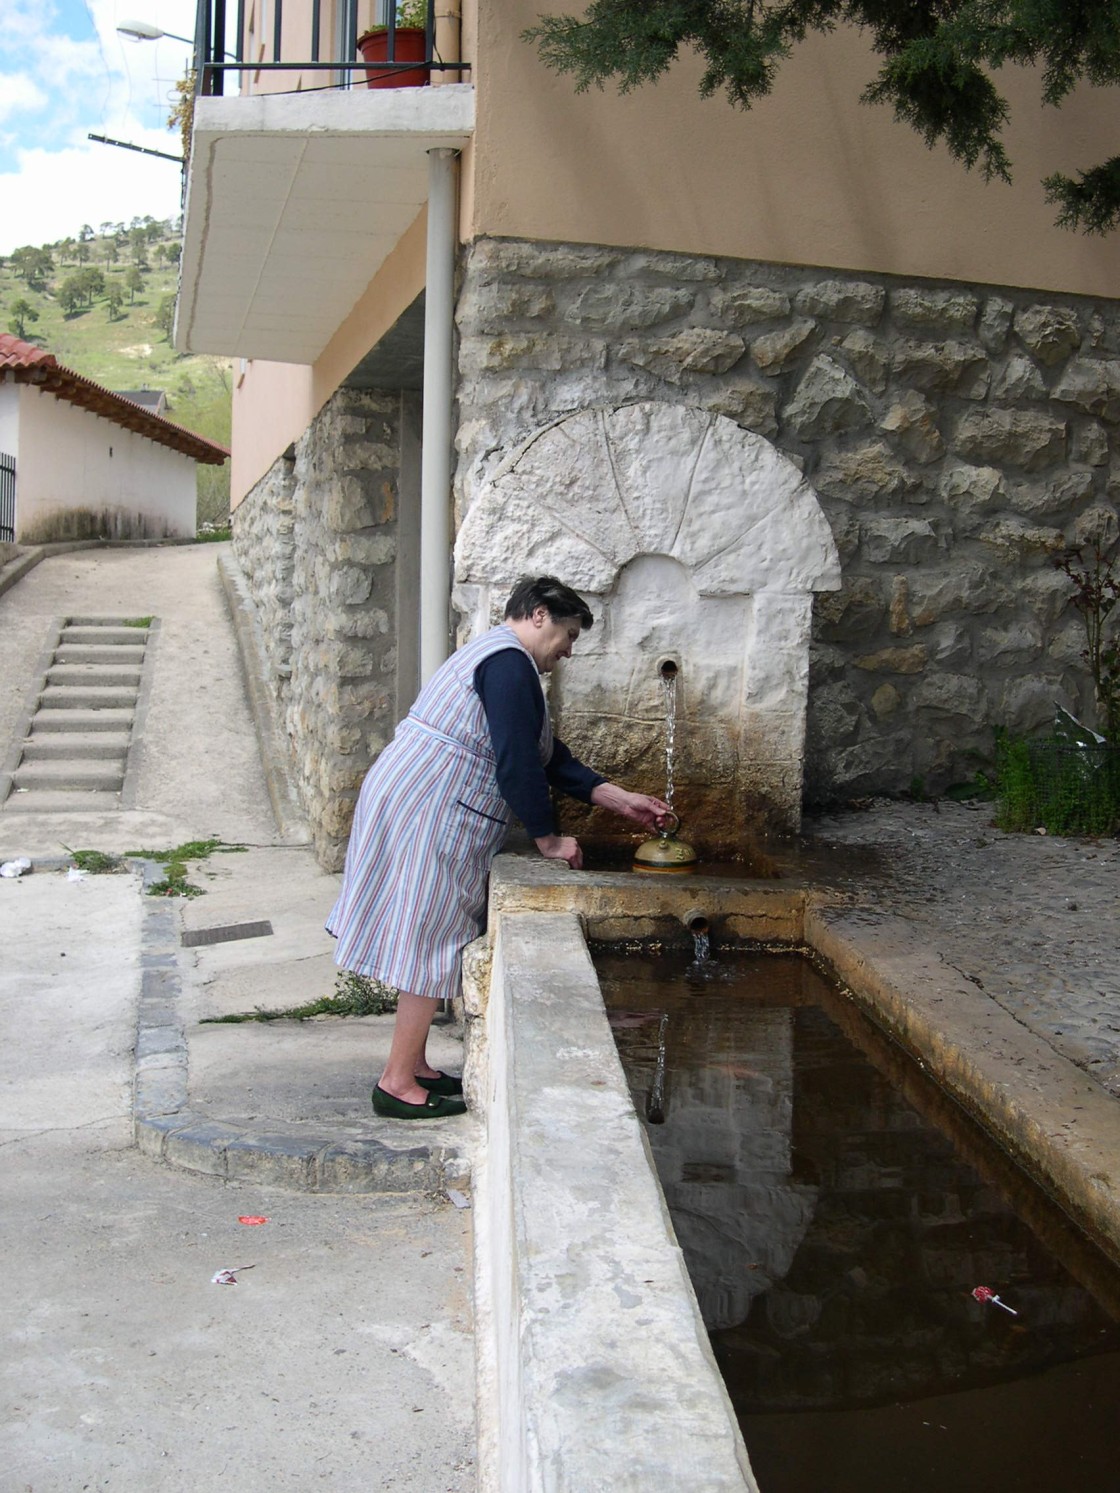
x=344, y=1358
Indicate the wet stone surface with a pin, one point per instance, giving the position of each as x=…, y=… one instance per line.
x=1030, y=920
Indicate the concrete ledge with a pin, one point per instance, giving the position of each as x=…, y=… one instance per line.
x=1060, y=1126
x=306, y=1158
x=595, y=1366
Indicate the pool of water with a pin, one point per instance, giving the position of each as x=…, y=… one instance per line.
x=837, y=1212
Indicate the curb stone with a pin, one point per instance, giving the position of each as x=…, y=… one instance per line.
x=307, y=1159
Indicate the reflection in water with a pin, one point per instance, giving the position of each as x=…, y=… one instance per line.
x=834, y=1239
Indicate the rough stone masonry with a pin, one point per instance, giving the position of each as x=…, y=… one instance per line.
x=957, y=437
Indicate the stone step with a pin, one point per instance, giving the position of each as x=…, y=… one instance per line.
x=87, y=697
x=100, y=653
x=125, y=636
x=95, y=674
x=56, y=746
x=70, y=777
x=79, y=720
x=41, y=801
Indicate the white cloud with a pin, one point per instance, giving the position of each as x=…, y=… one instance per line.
x=56, y=191
x=52, y=178
x=19, y=93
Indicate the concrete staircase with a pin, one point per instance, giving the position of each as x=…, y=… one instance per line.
x=74, y=754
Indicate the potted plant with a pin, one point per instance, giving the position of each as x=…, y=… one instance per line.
x=410, y=44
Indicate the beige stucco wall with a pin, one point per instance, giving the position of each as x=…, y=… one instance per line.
x=71, y=459
x=808, y=176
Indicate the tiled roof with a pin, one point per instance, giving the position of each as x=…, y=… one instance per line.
x=28, y=364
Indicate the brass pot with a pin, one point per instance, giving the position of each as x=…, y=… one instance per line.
x=666, y=855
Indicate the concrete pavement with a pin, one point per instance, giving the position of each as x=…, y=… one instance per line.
x=345, y=1356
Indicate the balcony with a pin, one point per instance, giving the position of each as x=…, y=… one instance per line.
x=295, y=199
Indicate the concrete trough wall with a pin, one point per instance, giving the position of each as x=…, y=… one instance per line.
x=596, y=1372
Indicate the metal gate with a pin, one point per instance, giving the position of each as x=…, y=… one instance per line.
x=7, y=497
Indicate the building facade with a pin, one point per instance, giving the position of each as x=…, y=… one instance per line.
x=805, y=409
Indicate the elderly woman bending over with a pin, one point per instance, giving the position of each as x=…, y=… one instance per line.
x=475, y=749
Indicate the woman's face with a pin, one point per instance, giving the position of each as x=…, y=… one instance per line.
x=551, y=641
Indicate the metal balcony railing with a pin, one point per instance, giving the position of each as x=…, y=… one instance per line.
x=219, y=23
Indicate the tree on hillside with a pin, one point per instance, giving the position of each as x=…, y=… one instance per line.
x=90, y=282
x=138, y=244
x=23, y=312
x=66, y=249
x=937, y=57
x=32, y=265
x=174, y=252
x=111, y=250
x=70, y=296
x=165, y=316
x=133, y=281
x=114, y=297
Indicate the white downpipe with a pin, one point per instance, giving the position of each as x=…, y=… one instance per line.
x=435, y=453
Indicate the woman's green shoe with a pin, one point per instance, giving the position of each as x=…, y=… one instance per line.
x=443, y=1083
x=435, y=1107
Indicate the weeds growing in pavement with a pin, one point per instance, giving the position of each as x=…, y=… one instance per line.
x=174, y=861
x=354, y=995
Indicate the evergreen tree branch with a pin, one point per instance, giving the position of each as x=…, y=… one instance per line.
x=937, y=60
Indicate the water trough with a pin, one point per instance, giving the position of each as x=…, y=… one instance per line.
x=594, y=1362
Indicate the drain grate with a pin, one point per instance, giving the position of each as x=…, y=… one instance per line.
x=226, y=935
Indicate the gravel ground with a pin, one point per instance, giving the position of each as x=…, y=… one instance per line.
x=1030, y=920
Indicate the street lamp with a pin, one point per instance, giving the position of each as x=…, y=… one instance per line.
x=145, y=31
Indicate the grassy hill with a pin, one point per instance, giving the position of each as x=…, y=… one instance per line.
x=122, y=340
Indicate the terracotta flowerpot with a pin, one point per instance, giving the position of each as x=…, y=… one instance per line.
x=411, y=46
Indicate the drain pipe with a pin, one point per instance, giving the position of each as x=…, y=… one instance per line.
x=435, y=450
x=695, y=922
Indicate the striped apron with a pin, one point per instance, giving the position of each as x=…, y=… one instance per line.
x=429, y=820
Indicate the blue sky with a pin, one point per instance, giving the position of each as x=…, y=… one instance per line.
x=66, y=71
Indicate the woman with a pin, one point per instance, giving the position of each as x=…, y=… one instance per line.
x=475, y=749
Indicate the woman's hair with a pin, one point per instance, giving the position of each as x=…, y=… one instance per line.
x=546, y=591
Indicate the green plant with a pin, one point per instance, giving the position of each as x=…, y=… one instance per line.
x=976, y=789
x=1061, y=787
x=174, y=882
x=137, y=622
x=1096, y=590
x=412, y=13
x=354, y=995
x=96, y=862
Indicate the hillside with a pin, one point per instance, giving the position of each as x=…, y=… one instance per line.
x=100, y=302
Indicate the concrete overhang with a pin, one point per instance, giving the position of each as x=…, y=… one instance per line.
x=294, y=201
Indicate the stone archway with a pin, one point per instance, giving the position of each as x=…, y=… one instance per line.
x=694, y=540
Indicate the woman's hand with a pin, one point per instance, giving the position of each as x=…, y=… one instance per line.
x=641, y=807
x=561, y=848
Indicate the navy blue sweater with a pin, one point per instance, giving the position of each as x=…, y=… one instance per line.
x=510, y=691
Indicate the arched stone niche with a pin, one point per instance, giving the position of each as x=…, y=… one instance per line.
x=694, y=540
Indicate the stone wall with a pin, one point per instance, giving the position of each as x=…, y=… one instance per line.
x=956, y=436
x=317, y=542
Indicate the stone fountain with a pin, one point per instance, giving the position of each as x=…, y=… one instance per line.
x=696, y=543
